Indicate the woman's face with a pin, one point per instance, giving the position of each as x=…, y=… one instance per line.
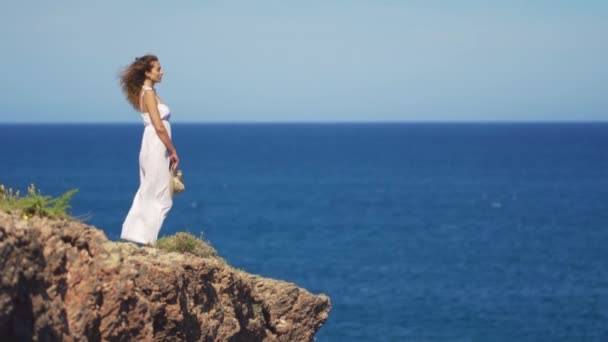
x=155, y=73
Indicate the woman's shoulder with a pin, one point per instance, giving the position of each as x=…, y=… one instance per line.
x=146, y=90
x=148, y=93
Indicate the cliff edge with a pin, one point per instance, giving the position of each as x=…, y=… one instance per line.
x=63, y=280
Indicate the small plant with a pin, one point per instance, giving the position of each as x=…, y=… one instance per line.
x=186, y=243
x=35, y=203
x=7, y=195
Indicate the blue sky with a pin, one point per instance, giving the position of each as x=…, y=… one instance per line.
x=296, y=61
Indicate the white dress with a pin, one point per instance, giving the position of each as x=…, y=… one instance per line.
x=153, y=198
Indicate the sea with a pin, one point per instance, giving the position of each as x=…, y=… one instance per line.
x=416, y=231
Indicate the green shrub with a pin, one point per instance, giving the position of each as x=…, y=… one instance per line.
x=185, y=242
x=35, y=203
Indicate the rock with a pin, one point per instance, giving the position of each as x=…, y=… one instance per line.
x=64, y=280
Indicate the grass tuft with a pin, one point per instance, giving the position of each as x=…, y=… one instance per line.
x=186, y=243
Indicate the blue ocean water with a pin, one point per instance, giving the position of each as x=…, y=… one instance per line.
x=417, y=232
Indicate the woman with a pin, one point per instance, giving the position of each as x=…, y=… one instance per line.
x=157, y=155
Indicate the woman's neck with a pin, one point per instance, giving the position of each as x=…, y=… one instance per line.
x=148, y=83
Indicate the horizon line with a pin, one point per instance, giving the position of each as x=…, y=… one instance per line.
x=599, y=121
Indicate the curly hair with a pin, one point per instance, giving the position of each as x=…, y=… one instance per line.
x=133, y=77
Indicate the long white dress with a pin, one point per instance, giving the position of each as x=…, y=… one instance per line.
x=153, y=199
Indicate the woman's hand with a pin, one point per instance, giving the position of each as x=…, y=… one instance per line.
x=174, y=160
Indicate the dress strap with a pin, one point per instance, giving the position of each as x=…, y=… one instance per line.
x=141, y=97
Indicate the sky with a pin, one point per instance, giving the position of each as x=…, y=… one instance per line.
x=309, y=61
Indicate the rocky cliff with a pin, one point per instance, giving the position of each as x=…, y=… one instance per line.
x=64, y=280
